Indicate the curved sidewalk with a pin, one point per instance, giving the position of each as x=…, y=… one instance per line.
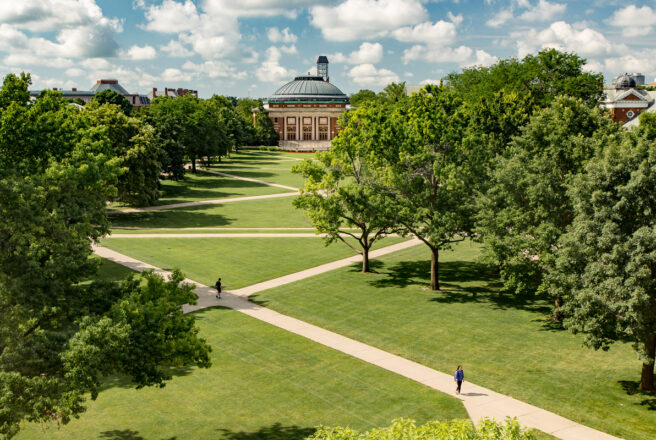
x=248, y=179
x=479, y=402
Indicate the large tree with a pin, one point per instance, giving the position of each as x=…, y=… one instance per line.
x=606, y=267
x=526, y=208
x=340, y=193
x=108, y=96
x=59, y=336
x=426, y=171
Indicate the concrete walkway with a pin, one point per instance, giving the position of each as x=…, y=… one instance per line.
x=479, y=402
x=201, y=202
x=248, y=179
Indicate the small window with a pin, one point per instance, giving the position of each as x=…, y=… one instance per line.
x=275, y=120
x=630, y=114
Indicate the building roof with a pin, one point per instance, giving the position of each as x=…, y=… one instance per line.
x=308, y=89
x=111, y=84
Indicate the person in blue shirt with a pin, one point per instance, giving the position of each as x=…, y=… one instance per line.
x=458, y=378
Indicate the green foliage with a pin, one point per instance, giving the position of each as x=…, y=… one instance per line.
x=362, y=96
x=340, y=191
x=606, y=268
x=406, y=429
x=427, y=172
x=546, y=75
x=58, y=335
x=108, y=96
x=526, y=208
x=265, y=134
x=131, y=140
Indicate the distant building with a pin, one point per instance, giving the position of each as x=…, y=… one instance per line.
x=625, y=100
x=173, y=93
x=304, y=111
x=100, y=85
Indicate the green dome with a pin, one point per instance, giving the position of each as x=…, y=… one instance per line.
x=306, y=89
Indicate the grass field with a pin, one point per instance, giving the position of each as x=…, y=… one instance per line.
x=263, y=213
x=271, y=167
x=265, y=383
x=505, y=344
x=239, y=261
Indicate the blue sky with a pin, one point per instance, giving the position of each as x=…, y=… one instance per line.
x=251, y=47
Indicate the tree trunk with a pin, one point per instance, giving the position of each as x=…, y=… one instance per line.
x=193, y=165
x=647, y=377
x=365, y=260
x=558, y=303
x=435, y=269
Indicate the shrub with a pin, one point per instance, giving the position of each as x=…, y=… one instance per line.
x=406, y=429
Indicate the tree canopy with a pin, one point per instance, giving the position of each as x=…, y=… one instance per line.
x=108, y=96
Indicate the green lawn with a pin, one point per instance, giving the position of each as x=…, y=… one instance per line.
x=239, y=261
x=503, y=343
x=207, y=186
x=271, y=167
x=265, y=383
x=217, y=230
x=262, y=213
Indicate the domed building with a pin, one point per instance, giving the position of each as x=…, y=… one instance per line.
x=625, y=99
x=304, y=111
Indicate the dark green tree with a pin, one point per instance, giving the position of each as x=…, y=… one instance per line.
x=606, y=265
x=359, y=98
x=108, y=96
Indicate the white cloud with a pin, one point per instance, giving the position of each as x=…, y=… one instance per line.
x=482, y=59
x=367, y=53
x=634, y=21
x=289, y=49
x=440, y=32
x=277, y=36
x=74, y=71
x=271, y=70
x=543, y=11
x=175, y=75
x=360, y=19
x=214, y=69
x=176, y=49
x=437, y=54
x=257, y=8
x=564, y=37
x=500, y=18
x=140, y=53
x=368, y=75
x=96, y=64
x=172, y=17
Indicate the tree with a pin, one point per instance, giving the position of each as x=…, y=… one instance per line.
x=59, y=337
x=606, y=267
x=359, y=98
x=265, y=134
x=427, y=173
x=546, y=75
x=134, y=142
x=339, y=192
x=393, y=92
x=526, y=207
x=108, y=96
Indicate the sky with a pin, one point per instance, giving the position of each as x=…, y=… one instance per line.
x=251, y=47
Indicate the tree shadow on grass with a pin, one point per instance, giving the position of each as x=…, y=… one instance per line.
x=125, y=434
x=460, y=282
x=632, y=387
x=189, y=217
x=123, y=381
x=206, y=187
x=274, y=432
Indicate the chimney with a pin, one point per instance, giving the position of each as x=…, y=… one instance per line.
x=180, y=92
x=322, y=67
x=154, y=92
x=166, y=91
x=74, y=89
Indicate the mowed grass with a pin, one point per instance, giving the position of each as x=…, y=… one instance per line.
x=270, y=167
x=262, y=213
x=207, y=186
x=238, y=261
x=504, y=343
x=265, y=383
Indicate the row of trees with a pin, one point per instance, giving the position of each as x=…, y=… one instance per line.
x=520, y=156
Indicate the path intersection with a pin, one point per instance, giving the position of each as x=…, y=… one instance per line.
x=478, y=401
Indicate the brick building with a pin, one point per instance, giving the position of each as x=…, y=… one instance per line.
x=625, y=100
x=304, y=111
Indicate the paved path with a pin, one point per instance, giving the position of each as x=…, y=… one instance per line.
x=202, y=202
x=479, y=402
x=248, y=179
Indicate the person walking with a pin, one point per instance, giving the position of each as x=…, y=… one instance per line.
x=218, y=288
x=458, y=378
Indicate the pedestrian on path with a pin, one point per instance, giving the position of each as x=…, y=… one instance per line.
x=218, y=288
x=458, y=378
